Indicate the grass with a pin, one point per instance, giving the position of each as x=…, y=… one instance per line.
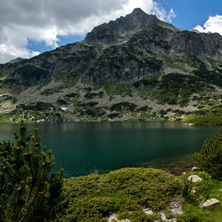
x=5, y=118
x=177, y=88
x=115, y=89
x=28, y=75
x=215, y=212
x=123, y=106
x=60, y=88
x=205, y=120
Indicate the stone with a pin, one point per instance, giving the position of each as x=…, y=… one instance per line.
x=195, y=169
x=194, y=178
x=177, y=211
x=163, y=218
x=148, y=211
x=193, y=191
x=114, y=216
x=162, y=215
x=209, y=202
x=175, y=205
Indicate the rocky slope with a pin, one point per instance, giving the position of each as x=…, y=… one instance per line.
x=136, y=67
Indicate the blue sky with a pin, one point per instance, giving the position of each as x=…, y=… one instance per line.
x=28, y=28
x=190, y=13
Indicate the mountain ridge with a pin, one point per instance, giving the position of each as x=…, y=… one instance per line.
x=136, y=67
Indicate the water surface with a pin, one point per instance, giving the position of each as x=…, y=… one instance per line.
x=84, y=148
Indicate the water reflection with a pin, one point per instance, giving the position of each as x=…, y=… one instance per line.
x=82, y=148
x=109, y=125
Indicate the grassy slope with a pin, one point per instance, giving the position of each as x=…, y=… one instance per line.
x=206, y=120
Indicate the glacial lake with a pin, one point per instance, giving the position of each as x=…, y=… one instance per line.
x=84, y=148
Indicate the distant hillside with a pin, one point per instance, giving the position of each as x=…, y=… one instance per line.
x=134, y=68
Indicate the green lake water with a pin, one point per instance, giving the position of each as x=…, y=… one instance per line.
x=84, y=148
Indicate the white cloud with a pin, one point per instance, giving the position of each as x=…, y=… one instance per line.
x=213, y=24
x=162, y=14
x=45, y=20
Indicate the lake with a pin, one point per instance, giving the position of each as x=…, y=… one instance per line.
x=84, y=148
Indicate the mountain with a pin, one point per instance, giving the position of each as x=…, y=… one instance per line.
x=136, y=67
x=19, y=59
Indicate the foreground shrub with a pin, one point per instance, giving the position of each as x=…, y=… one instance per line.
x=210, y=157
x=196, y=193
x=125, y=192
x=27, y=193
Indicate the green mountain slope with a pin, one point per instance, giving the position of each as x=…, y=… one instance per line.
x=136, y=67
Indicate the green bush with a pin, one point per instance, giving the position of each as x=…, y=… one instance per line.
x=27, y=193
x=195, y=193
x=210, y=157
x=125, y=192
x=123, y=106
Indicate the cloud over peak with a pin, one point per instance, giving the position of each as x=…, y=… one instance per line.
x=213, y=24
x=45, y=20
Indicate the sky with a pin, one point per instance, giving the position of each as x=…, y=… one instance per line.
x=30, y=27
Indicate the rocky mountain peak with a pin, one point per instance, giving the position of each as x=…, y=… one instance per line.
x=18, y=59
x=142, y=19
x=138, y=11
x=137, y=20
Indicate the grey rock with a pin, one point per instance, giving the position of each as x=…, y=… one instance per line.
x=209, y=203
x=148, y=211
x=175, y=205
x=194, y=178
x=114, y=216
x=195, y=169
x=163, y=218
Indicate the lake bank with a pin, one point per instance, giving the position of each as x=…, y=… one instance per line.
x=177, y=167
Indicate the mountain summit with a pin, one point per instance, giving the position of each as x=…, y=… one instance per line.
x=136, y=21
x=134, y=68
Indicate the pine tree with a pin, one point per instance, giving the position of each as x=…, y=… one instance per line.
x=210, y=157
x=27, y=192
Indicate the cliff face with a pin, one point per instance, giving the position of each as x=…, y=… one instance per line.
x=136, y=67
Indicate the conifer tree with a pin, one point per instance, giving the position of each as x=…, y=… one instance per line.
x=210, y=157
x=27, y=192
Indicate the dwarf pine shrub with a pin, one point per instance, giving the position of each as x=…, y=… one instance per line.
x=27, y=192
x=210, y=157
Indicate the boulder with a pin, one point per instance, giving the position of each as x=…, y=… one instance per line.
x=209, y=203
x=175, y=205
x=163, y=218
x=148, y=211
x=195, y=169
x=194, y=178
x=114, y=216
